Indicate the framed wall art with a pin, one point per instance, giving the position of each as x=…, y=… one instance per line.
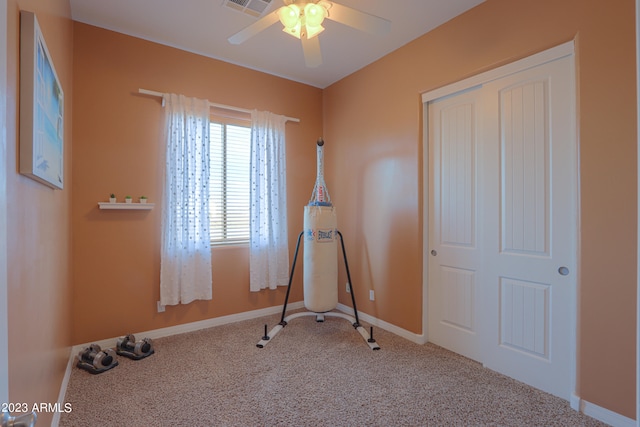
x=41, y=108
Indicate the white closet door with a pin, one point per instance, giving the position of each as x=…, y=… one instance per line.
x=530, y=235
x=503, y=225
x=455, y=258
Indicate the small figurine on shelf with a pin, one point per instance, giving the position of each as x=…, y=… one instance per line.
x=143, y=199
x=127, y=199
x=112, y=198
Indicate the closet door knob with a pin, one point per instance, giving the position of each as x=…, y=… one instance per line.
x=434, y=252
x=563, y=271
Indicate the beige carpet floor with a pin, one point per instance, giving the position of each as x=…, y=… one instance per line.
x=311, y=374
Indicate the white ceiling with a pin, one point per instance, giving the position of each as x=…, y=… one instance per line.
x=203, y=27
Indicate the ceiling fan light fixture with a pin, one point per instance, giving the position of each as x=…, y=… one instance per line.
x=303, y=19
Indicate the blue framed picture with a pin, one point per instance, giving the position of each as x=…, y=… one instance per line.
x=41, y=108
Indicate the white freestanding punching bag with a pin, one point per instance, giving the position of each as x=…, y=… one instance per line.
x=320, y=268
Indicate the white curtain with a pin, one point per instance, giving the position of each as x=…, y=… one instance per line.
x=269, y=247
x=185, y=271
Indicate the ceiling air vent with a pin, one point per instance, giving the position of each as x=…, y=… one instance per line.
x=255, y=8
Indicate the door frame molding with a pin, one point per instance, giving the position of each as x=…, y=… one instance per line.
x=554, y=53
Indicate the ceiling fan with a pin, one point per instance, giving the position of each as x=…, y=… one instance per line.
x=303, y=19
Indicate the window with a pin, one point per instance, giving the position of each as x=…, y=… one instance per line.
x=229, y=183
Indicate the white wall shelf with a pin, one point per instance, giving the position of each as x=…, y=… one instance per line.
x=130, y=206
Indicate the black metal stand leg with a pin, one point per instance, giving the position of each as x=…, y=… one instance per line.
x=346, y=265
x=293, y=268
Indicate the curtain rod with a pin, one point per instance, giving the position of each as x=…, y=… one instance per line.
x=211, y=104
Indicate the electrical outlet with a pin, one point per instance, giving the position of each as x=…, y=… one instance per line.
x=160, y=308
x=348, y=288
x=372, y=296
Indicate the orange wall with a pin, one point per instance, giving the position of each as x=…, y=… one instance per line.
x=374, y=119
x=119, y=149
x=369, y=120
x=38, y=238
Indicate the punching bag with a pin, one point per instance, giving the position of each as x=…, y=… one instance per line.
x=320, y=271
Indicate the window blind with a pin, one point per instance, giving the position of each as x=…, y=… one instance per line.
x=229, y=183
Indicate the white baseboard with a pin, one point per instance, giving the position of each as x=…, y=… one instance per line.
x=606, y=416
x=411, y=336
x=574, y=402
x=63, y=390
x=194, y=326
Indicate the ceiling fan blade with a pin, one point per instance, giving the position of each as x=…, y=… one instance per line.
x=312, y=53
x=253, y=29
x=359, y=20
